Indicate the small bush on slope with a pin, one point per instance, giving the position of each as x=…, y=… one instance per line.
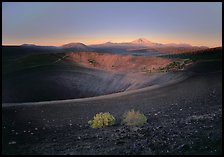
x=102, y=120
x=92, y=61
x=134, y=118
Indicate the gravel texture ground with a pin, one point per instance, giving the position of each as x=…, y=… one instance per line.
x=183, y=118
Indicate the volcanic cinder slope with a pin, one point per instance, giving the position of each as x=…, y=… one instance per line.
x=118, y=63
x=45, y=77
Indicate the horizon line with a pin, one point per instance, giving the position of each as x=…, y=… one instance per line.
x=58, y=45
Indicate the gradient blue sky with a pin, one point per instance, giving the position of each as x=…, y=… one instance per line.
x=59, y=23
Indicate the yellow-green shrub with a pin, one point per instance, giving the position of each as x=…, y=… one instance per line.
x=134, y=118
x=101, y=120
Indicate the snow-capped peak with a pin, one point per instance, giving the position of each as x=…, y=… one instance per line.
x=141, y=41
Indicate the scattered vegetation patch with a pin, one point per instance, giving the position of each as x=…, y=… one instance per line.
x=134, y=118
x=174, y=66
x=102, y=120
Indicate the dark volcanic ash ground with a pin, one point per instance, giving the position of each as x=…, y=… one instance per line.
x=183, y=118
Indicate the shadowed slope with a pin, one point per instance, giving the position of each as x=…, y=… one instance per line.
x=58, y=76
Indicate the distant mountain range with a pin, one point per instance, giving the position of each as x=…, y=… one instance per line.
x=77, y=47
x=139, y=46
x=142, y=44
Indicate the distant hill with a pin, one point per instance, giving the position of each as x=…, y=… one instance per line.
x=15, y=52
x=28, y=45
x=38, y=46
x=77, y=47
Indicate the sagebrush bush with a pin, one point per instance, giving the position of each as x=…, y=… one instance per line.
x=134, y=118
x=102, y=120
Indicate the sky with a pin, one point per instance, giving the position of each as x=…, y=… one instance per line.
x=58, y=23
